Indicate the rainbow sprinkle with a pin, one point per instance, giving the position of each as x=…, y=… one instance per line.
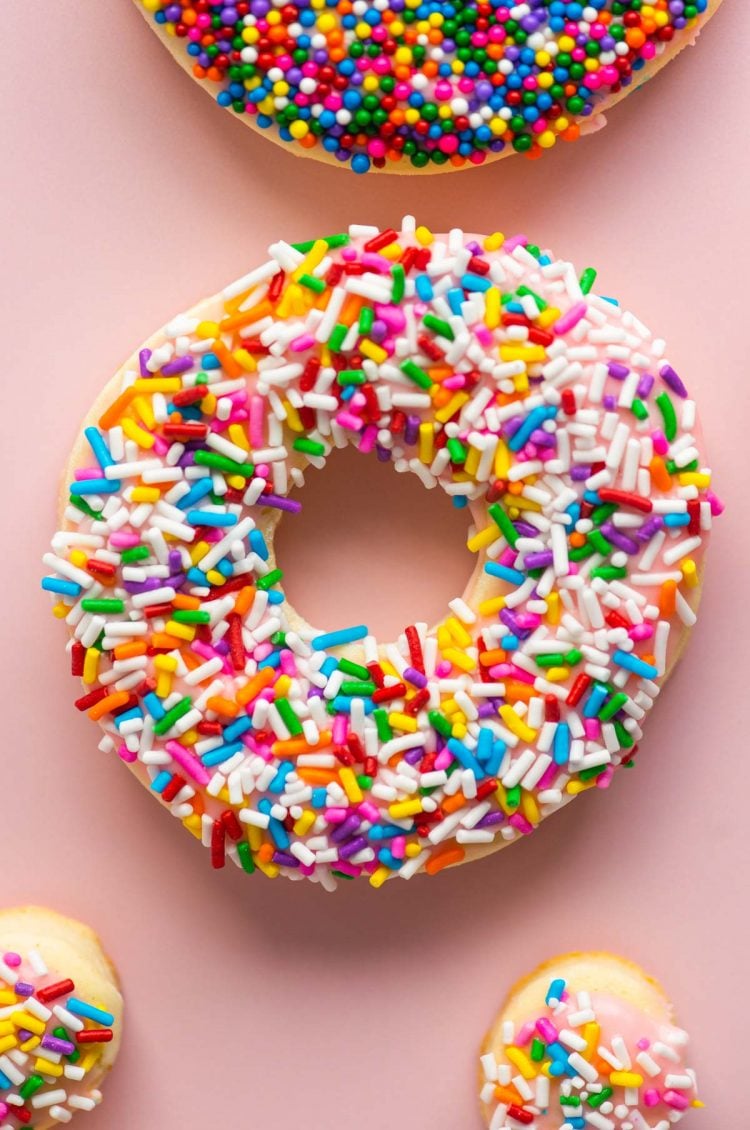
x=481, y=365
x=570, y=1069
x=418, y=81
x=50, y=1043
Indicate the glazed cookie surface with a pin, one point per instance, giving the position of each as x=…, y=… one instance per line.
x=485, y=367
x=587, y=1040
x=416, y=85
x=60, y=1018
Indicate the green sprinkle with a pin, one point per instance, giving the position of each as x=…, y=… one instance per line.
x=573, y=656
x=603, y=512
x=383, y=726
x=668, y=415
x=278, y=639
x=355, y=669
x=399, y=282
x=309, y=446
x=246, y=858
x=610, y=708
x=524, y=290
x=414, y=373
x=581, y=552
x=506, y=527
x=318, y=285
x=191, y=616
x=457, y=450
x=336, y=340
x=639, y=409
x=594, y=771
x=600, y=543
x=364, y=781
x=341, y=239
x=440, y=723
x=537, y=1050
x=609, y=573
x=587, y=280
x=83, y=506
x=626, y=740
x=62, y=1034
x=269, y=580
x=137, y=553
x=289, y=716
x=351, y=377
x=554, y=659
x=438, y=326
x=600, y=1097
x=362, y=690
x=173, y=715
x=366, y=319
x=92, y=604
x=570, y=1100
x=513, y=797
x=31, y=1086
x=221, y=463
x=341, y=875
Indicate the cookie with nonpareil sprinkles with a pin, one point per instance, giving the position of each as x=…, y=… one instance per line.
x=60, y=1018
x=420, y=86
x=588, y=1040
x=550, y=416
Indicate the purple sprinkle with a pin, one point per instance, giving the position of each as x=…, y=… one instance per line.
x=671, y=379
x=619, y=539
x=350, y=849
x=413, y=756
x=415, y=677
x=278, y=503
x=539, y=560
x=411, y=431
x=179, y=365
x=346, y=829
x=491, y=820
x=284, y=859
x=580, y=471
x=143, y=357
x=23, y=989
x=53, y=1044
x=645, y=384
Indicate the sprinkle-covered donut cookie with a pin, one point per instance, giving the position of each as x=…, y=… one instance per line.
x=419, y=85
x=587, y=1040
x=60, y=1018
x=481, y=365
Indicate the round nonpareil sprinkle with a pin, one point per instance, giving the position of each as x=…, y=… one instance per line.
x=420, y=82
x=480, y=364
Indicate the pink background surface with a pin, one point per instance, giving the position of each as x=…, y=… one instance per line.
x=127, y=196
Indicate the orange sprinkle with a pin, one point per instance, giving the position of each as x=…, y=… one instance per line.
x=660, y=476
x=111, y=702
x=258, y=683
x=130, y=650
x=444, y=857
x=244, y=601
x=292, y=747
x=112, y=415
x=453, y=803
x=668, y=599
x=164, y=640
x=185, y=602
x=224, y=706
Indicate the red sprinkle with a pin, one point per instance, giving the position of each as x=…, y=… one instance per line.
x=626, y=498
x=52, y=992
x=415, y=648
x=218, y=857
x=94, y=1036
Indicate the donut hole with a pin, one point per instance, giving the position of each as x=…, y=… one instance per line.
x=373, y=547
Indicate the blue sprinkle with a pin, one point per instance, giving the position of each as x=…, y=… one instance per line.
x=339, y=638
x=98, y=445
x=595, y=701
x=198, y=491
x=424, y=288
x=466, y=758
x=153, y=704
x=494, y=761
x=513, y=576
x=161, y=780
x=221, y=753
x=555, y=991
x=95, y=486
x=561, y=746
x=676, y=519
x=211, y=518
x=65, y=588
x=240, y=726
x=637, y=666
x=534, y=420
x=475, y=282
x=279, y=782
x=90, y=1012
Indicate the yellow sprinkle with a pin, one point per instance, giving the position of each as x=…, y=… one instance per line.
x=30, y=1044
x=626, y=1079
x=145, y=494
x=459, y=659
x=78, y=558
x=157, y=384
x=254, y=837
x=456, y=401
x=516, y=725
x=402, y=722
x=494, y=242
x=165, y=663
x=557, y=674
x=238, y=436
x=181, y=631
x=91, y=665
x=591, y=1033
x=459, y=731
x=424, y=236
x=271, y=870
x=245, y=359
x=412, y=850
x=379, y=877
x=502, y=799
x=60, y=611
x=30, y=1023
x=214, y=577
x=143, y=407
x=89, y=1060
x=375, y=352
x=44, y=1067
x=193, y=825
x=553, y=608
x=305, y=823
x=690, y=573
x=283, y=683
x=576, y=787
x=138, y=434
x=694, y=479
x=482, y=538
x=520, y=1060
x=403, y=809
x=163, y=684
x=547, y=317
x=426, y=443
x=313, y=259
x=492, y=607
x=492, y=308
x=502, y=460
x=472, y=462
x=199, y=550
x=8, y=1042
x=6, y=1028
x=458, y=632
x=351, y=785
x=530, y=808
x=526, y=353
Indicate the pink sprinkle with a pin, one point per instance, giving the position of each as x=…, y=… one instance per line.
x=642, y=631
x=262, y=651
x=458, y=381
x=548, y=777
x=521, y=824
x=12, y=959
x=398, y=847
x=88, y=473
x=591, y=728
x=524, y=1035
x=546, y=1030
x=604, y=780
x=443, y=668
x=570, y=319
x=717, y=506
x=340, y=727
x=288, y=665
x=121, y=540
x=367, y=442
x=659, y=440
x=300, y=344
x=350, y=421
x=443, y=759
x=126, y=754
x=643, y=1045
x=369, y=811
x=256, y=421
x=393, y=316
x=188, y=761
x=651, y=1097
x=161, y=447
x=676, y=1100
x=353, y=869
x=336, y=815
x=513, y=242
